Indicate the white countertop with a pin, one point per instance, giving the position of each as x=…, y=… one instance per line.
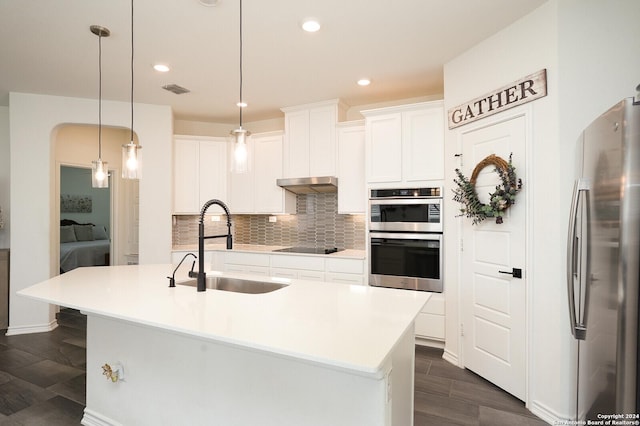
x=256, y=248
x=343, y=326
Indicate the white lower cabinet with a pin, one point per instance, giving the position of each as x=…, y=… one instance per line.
x=246, y=263
x=334, y=277
x=313, y=268
x=298, y=267
x=299, y=274
x=347, y=271
x=430, y=321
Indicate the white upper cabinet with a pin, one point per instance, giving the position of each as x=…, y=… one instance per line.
x=423, y=135
x=351, y=175
x=267, y=164
x=256, y=191
x=384, y=148
x=405, y=144
x=310, y=147
x=241, y=189
x=199, y=172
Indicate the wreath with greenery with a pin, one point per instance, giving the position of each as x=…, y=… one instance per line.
x=500, y=200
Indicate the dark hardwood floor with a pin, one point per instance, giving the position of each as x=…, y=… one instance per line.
x=447, y=395
x=42, y=375
x=42, y=383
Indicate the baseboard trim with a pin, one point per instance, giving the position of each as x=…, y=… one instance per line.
x=451, y=357
x=546, y=414
x=92, y=418
x=14, y=331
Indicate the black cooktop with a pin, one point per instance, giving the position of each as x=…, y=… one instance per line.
x=309, y=250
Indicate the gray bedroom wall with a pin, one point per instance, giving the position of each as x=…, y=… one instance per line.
x=76, y=181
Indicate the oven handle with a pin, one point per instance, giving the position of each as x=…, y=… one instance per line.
x=405, y=236
x=402, y=201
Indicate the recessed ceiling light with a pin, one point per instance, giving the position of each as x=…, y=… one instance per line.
x=161, y=67
x=242, y=104
x=364, y=82
x=310, y=25
x=208, y=2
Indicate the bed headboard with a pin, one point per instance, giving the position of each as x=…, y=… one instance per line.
x=67, y=222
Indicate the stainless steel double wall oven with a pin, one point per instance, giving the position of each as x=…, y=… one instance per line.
x=405, y=238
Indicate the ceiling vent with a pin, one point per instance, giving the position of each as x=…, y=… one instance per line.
x=174, y=88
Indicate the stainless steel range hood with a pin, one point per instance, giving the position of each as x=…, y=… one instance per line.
x=310, y=185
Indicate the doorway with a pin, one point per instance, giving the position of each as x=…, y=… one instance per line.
x=76, y=146
x=85, y=220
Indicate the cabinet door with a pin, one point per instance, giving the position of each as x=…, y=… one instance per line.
x=213, y=171
x=296, y=149
x=185, y=176
x=322, y=141
x=384, y=148
x=423, y=143
x=351, y=175
x=241, y=186
x=430, y=321
x=269, y=197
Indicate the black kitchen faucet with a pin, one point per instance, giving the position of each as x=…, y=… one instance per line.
x=202, y=276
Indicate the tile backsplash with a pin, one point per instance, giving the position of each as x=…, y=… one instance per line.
x=316, y=224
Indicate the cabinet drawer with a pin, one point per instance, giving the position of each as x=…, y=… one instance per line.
x=310, y=263
x=311, y=275
x=247, y=259
x=247, y=269
x=335, y=277
x=430, y=326
x=347, y=266
x=284, y=273
x=300, y=274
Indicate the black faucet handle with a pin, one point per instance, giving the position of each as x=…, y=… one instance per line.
x=172, y=281
x=193, y=274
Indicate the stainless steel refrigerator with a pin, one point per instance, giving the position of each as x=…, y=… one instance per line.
x=603, y=264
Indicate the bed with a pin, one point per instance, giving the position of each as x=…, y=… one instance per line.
x=83, y=244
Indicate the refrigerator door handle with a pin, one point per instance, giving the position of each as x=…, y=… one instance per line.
x=578, y=328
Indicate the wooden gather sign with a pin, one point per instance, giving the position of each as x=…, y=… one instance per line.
x=520, y=92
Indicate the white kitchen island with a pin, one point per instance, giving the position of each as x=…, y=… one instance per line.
x=311, y=353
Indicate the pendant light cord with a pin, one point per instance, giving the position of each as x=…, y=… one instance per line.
x=99, y=97
x=131, y=71
x=241, y=101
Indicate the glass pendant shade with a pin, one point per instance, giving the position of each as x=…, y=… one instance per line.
x=240, y=152
x=99, y=168
x=99, y=174
x=131, y=165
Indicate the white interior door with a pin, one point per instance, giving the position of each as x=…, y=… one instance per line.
x=493, y=303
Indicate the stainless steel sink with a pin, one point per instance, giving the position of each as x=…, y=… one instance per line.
x=237, y=285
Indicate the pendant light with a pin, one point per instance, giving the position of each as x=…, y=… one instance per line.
x=240, y=160
x=99, y=169
x=131, y=167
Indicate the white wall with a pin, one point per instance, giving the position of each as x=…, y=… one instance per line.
x=589, y=49
x=4, y=175
x=33, y=125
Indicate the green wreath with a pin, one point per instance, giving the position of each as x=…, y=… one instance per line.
x=500, y=200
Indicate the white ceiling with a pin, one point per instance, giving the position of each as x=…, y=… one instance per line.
x=401, y=45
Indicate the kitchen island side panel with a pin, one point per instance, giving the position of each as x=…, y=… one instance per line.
x=173, y=378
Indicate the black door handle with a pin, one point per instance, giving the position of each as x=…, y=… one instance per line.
x=516, y=272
